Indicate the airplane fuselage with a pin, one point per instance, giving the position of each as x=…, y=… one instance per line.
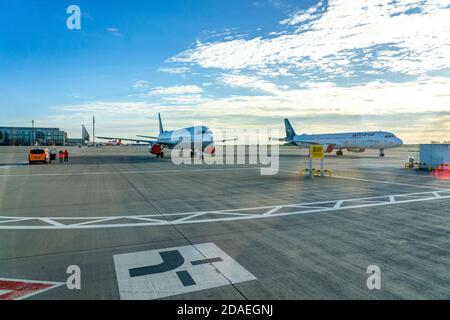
x=351, y=140
x=200, y=136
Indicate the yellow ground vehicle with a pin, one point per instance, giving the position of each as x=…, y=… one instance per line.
x=39, y=155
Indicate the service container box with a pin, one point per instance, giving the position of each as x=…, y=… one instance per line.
x=433, y=155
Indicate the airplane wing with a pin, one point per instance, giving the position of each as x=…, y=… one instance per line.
x=168, y=143
x=299, y=141
x=225, y=140
x=308, y=142
x=277, y=139
x=147, y=137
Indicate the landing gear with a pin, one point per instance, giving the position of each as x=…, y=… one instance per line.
x=382, y=153
x=197, y=153
x=340, y=153
x=161, y=154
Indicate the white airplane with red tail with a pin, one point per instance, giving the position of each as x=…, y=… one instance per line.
x=199, y=137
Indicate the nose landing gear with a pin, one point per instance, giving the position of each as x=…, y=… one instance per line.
x=340, y=153
x=382, y=153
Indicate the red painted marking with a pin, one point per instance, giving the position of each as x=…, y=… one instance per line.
x=18, y=289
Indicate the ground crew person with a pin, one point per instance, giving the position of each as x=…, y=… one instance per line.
x=66, y=156
x=61, y=157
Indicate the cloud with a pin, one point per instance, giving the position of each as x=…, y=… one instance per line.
x=114, y=31
x=185, y=99
x=141, y=84
x=178, y=70
x=176, y=90
x=339, y=65
x=181, y=94
x=374, y=98
x=377, y=98
x=107, y=108
x=416, y=110
x=348, y=37
x=304, y=15
x=250, y=82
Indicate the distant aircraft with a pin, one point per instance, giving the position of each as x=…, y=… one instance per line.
x=113, y=142
x=352, y=141
x=199, y=135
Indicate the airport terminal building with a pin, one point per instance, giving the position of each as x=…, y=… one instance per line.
x=27, y=136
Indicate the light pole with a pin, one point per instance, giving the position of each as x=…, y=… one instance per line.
x=93, y=130
x=32, y=132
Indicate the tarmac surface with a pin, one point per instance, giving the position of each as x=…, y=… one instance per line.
x=285, y=236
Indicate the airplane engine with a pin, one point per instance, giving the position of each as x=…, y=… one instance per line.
x=155, y=149
x=329, y=148
x=357, y=150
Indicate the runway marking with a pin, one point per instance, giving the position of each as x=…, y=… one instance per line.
x=168, y=272
x=391, y=182
x=52, y=222
x=10, y=166
x=18, y=289
x=125, y=172
x=378, y=181
x=57, y=223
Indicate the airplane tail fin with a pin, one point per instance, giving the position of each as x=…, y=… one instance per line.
x=290, y=132
x=161, y=129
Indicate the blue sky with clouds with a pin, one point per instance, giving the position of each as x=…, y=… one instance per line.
x=329, y=65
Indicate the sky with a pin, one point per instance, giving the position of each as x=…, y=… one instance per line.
x=329, y=66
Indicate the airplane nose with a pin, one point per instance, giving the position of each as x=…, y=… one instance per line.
x=399, y=141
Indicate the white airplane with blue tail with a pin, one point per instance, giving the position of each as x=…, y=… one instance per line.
x=351, y=141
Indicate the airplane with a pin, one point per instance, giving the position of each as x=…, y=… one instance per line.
x=199, y=135
x=113, y=142
x=352, y=141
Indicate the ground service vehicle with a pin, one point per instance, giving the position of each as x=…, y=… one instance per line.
x=39, y=156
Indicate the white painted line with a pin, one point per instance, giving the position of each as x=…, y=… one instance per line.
x=14, y=220
x=9, y=167
x=231, y=214
x=268, y=213
x=404, y=174
x=190, y=217
x=338, y=204
x=145, y=219
x=94, y=221
x=367, y=201
x=126, y=172
x=52, y=222
x=391, y=182
x=305, y=206
x=379, y=181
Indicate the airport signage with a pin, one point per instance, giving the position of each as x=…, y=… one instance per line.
x=168, y=272
x=317, y=152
